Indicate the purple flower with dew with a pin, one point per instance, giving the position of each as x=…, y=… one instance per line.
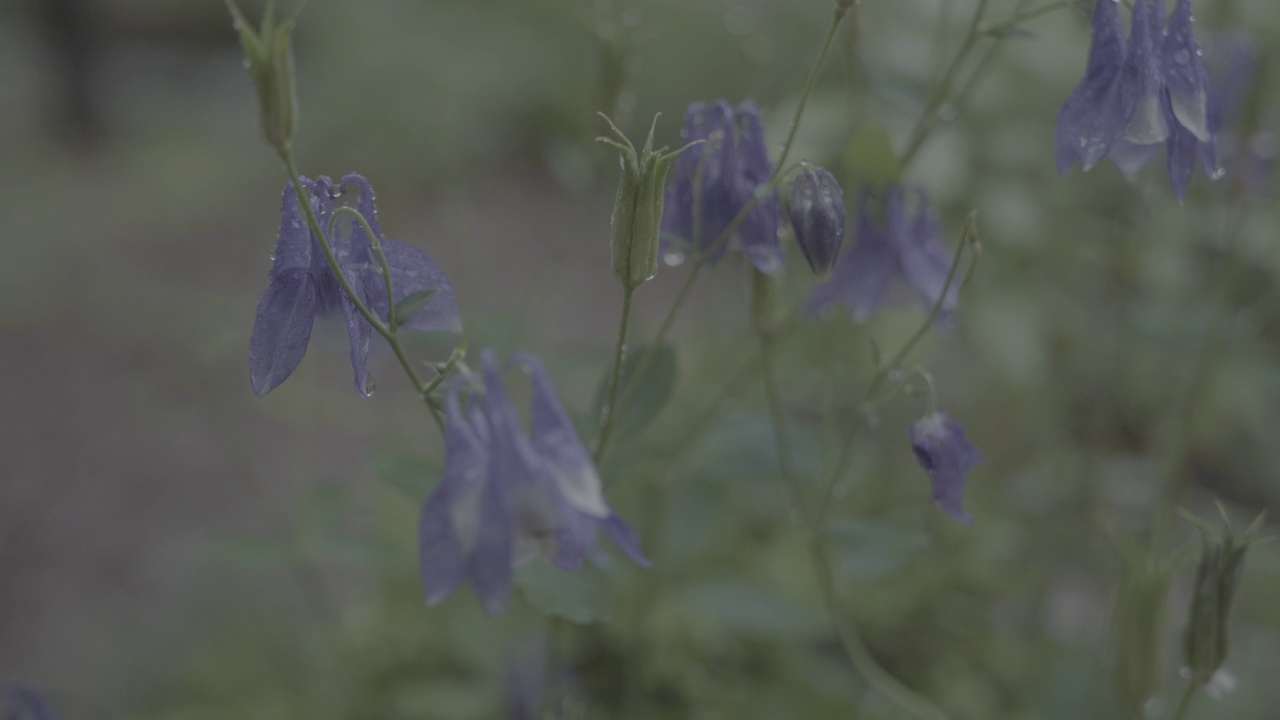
x=508, y=497
x=818, y=217
x=21, y=701
x=723, y=174
x=1138, y=93
x=1232, y=64
x=900, y=247
x=944, y=452
x=302, y=286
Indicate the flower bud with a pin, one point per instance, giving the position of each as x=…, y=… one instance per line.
x=269, y=55
x=1137, y=625
x=1204, y=640
x=817, y=216
x=637, y=210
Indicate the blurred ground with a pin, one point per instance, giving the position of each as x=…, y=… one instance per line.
x=139, y=208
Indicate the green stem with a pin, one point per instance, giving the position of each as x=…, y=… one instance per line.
x=609, y=412
x=1021, y=17
x=809, y=82
x=882, y=372
x=850, y=640
x=392, y=325
x=927, y=117
x=1185, y=703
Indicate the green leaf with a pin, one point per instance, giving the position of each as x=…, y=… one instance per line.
x=412, y=305
x=580, y=596
x=411, y=474
x=871, y=157
x=644, y=401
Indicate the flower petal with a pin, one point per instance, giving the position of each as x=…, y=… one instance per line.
x=1148, y=124
x=359, y=332
x=1184, y=74
x=925, y=260
x=862, y=275
x=412, y=271
x=286, y=313
x=945, y=454
x=556, y=440
x=293, y=244
x=1098, y=110
x=491, y=559
x=625, y=538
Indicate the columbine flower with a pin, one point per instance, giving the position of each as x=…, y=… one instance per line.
x=23, y=702
x=507, y=497
x=1138, y=93
x=818, y=216
x=723, y=174
x=940, y=446
x=901, y=247
x=1232, y=63
x=304, y=287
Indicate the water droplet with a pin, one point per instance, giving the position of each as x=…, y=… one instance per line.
x=632, y=17
x=1217, y=173
x=673, y=258
x=295, y=223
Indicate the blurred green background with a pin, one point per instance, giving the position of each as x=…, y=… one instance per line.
x=172, y=547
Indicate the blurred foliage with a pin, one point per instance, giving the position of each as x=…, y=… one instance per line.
x=1114, y=347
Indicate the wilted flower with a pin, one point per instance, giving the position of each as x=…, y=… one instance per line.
x=944, y=452
x=21, y=701
x=818, y=216
x=1205, y=640
x=898, y=247
x=723, y=174
x=304, y=287
x=507, y=497
x=1138, y=93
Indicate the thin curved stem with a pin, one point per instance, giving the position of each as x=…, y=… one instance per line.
x=609, y=412
x=392, y=325
x=1185, y=703
x=809, y=82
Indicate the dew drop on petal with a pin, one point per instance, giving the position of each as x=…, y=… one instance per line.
x=673, y=259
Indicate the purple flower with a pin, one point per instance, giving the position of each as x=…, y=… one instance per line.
x=940, y=446
x=1232, y=63
x=818, y=216
x=302, y=286
x=507, y=497
x=1139, y=93
x=723, y=174
x=21, y=701
x=898, y=248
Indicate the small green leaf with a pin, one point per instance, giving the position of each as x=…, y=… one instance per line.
x=410, y=473
x=580, y=596
x=639, y=405
x=412, y=305
x=871, y=157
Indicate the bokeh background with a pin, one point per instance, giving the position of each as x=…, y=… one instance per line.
x=173, y=547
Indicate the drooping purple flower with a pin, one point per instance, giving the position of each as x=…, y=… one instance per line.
x=901, y=247
x=303, y=287
x=508, y=497
x=21, y=701
x=1246, y=147
x=715, y=180
x=1138, y=94
x=818, y=217
x=946, y=455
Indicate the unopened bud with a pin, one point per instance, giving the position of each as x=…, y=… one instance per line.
x=818, y=217
x=1137, y=626
x=269, y=53
x=1205, y=641
x=637, y=210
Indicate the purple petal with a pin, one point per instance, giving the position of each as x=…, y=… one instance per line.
x=286, y=313
x=752, y=149
x=25, y=702
x=1130, y=158
x=862, y=276
x=945, y=454
x=1185, y=75
x=625, y=538
x=293, y=244
x=491, y=559
x=412, y=270
x=1147, y=125
x=1181, y=152
x=925, y=260
x=556, y=440
x=1098, y=110
x=758, y=235
x=443, y=559
x=359, y=332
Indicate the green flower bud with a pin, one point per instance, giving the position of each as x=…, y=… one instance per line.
x=1137, y=625
x=637, y=210
x=269, y=54
x=1204, y=640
